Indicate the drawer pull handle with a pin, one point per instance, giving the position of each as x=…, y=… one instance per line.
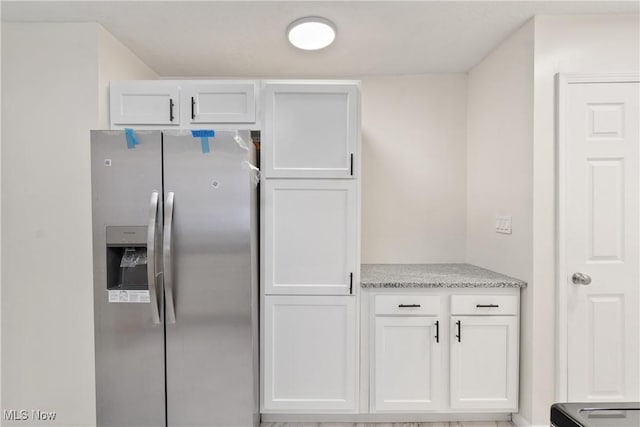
x=459, y=327
x=409, y=305
x=437, y=331
x=487, y=305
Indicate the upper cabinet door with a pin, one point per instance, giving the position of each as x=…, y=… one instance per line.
x=220, y=102
x=311, y=130
x=145, y=102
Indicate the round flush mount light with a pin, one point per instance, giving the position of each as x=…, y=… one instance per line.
x=311, y=33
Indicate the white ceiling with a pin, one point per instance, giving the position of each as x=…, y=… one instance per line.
x=241, y=38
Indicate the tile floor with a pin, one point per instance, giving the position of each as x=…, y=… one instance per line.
x=440, y=424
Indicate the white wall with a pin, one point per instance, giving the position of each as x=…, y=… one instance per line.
x=581, y=44
x=51, y=99
x=413, y=167
x=499, y=174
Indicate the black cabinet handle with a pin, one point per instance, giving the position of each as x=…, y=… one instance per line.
x=487, y=305
x=351, y=164
x=350, y=283
x=409, y=305
x=193, y=108
x=459, y=327
x=437, y=331
x=171, y=110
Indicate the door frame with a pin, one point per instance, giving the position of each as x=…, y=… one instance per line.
x=563, y=80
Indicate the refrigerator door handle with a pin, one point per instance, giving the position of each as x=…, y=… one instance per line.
x=152, y=231
x=166, y=259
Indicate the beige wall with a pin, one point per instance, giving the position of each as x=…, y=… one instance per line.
x=499, y=174
x=576, y=44
x=413, y=168
x=50, y=80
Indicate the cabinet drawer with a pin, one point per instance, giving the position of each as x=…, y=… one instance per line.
x=484, y=304
x=409, y=305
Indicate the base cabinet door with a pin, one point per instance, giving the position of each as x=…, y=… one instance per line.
x=407, y=373
x=484, y=362
x=309, y=360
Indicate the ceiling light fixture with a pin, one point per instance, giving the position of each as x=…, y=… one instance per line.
x=311, y=33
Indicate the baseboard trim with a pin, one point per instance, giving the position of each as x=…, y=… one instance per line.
x=520, y=421
x=385, y=418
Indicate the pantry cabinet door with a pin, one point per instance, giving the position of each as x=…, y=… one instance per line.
x=484, y=362
x=144, y=102
x=220, y=101
x=311, y=130
x=407, y=366
x=310, y=239
x=309, y=358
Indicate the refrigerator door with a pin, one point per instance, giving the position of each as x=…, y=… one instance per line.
x=211, y=334
x=129, y=336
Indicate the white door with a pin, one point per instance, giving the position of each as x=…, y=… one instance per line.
x=310, y=130
x=407, y=364
x=144, y=102
x=220, y=101
x=484, y=362
x=309, y=236
x=309, y=362
x=602, y=220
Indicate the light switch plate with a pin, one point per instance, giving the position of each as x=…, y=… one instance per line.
x=503, y=224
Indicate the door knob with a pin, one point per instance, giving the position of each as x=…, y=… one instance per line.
x=581, y=279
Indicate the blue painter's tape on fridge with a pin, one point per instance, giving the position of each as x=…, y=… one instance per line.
x=132, y=138
x=204, y=135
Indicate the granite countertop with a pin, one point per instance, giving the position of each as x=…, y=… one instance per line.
x=434, y=276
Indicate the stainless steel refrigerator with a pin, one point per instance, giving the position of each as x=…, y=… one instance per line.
x=175, y=278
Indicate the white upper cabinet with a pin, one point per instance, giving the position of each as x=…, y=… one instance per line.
x=484, y=362
x=220, y=101
x=311, y=130
x=310, y=236
x=144, y=102
x=309, y=359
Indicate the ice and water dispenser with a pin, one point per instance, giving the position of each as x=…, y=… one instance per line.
x=127, y=258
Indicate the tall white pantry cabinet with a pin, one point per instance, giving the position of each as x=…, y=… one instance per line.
x=310, y=266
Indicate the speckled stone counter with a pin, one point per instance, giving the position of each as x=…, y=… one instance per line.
x=434, y=276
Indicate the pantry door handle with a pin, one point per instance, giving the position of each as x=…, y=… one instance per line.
x=437, y=331
x=459, y=327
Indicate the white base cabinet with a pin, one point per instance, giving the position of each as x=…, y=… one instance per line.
x=443, y=350
x=309, y=359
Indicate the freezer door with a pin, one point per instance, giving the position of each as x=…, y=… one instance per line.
x=129, y=336
x=211, y=288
